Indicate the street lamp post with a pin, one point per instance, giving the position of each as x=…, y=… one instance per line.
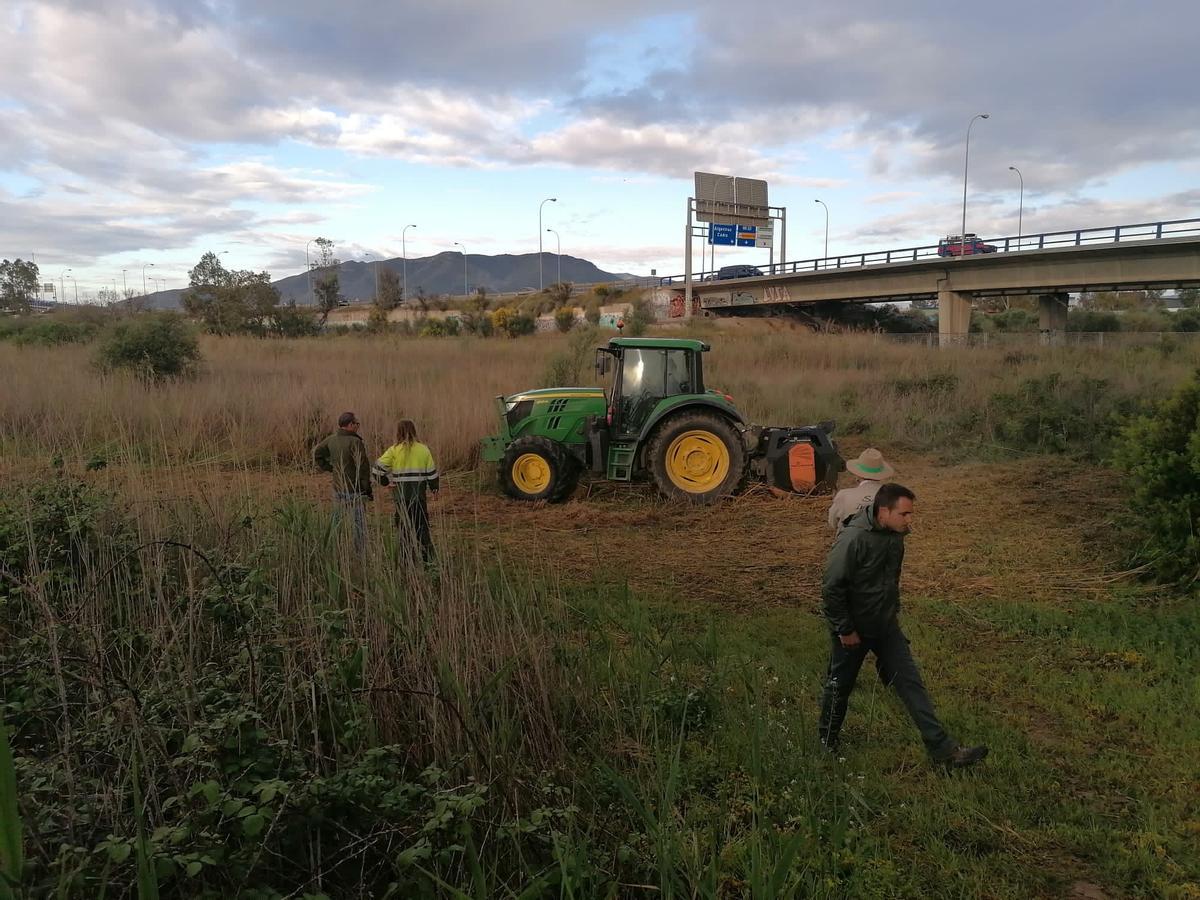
x=144, y=268
x=61, y=285
x=541, y=285
x=404, y=263
x=822, y=202
x=1020, y=204
x=962, y=236
x=76, y=283
x=464, y=253
x=124, y=282
x=558, y=255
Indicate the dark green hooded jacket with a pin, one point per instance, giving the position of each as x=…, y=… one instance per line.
x=861, y=589
x=345, y=455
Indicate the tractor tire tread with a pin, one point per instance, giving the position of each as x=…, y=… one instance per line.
x=739, y=457
x=564, y=474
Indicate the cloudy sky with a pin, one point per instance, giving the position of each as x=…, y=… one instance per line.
x=148, y=131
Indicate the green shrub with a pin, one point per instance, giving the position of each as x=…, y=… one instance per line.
x=1015, y=320
x=513, y=323
x=477, y=322
x=290, y=320
x=933, y=385
x=1144, y=320
x=639, y=317
x=153, y=346
x=432, y=328
x=51, y=332
x=591, y=312
x=1186, y=320
x=1056, y=414
x=48, y=331
x=1161, y=451
x=1088, y=320
x=564, y=319
x=567, y=369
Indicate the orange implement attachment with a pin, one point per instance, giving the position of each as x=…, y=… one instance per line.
x=802, y=466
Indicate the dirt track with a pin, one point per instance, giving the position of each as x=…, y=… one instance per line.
x=1011, y=531
x=1016, y=530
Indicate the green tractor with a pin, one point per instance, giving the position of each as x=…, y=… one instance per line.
x=655, y=419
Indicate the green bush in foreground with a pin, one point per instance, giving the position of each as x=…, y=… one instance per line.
x=1161, y=451
x=154, y=347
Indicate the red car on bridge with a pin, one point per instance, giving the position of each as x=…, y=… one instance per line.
x=959, y=245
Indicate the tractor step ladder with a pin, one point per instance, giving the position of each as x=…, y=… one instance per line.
x=620, y=460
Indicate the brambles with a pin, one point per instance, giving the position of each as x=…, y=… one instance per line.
x=1161, y=453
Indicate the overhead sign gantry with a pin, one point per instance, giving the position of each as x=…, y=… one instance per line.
x=737, y=213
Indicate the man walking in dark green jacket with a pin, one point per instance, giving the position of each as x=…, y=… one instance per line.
x=861, y=601
x=344, y=454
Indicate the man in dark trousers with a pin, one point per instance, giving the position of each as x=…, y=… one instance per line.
x=344, y=454
x=861, y=601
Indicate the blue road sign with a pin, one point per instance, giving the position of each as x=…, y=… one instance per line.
x=722, y=234
x=747, y=235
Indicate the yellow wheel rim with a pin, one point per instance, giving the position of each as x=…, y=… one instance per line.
x=697, y=462
x=531, y=473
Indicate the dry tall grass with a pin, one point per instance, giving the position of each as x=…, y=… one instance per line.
x=264, y=403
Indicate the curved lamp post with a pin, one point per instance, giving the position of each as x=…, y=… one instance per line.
x=962, y=236
x=1020, y=204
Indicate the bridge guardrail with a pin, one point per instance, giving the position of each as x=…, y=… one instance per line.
x=1145, y=231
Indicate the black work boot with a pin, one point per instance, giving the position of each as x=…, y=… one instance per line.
x=964, y=756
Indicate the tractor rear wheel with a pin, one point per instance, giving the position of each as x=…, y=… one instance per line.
x=537, y=468
x=698, y=457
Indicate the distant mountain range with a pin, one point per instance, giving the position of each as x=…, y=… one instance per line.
x=440, y=274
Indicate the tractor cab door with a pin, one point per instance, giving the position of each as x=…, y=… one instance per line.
x=646, y=377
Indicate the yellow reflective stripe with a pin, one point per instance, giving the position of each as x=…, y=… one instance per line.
x=521, y=397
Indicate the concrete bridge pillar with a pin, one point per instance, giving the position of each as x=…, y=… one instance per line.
x=954, y=316
x=1052, y=316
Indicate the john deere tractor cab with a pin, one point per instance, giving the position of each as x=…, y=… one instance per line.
x=656, y=419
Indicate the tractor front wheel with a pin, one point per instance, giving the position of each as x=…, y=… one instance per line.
x=698, y=457
x=537, y=468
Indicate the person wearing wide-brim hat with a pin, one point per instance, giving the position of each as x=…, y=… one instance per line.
x=872, y=470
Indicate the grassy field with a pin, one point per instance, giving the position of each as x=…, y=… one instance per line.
x=263, y=403
x=610, y=698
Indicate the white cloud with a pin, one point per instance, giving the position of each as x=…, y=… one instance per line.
x=144, y=122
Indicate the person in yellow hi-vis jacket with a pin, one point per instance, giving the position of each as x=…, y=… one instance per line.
x=409, y=468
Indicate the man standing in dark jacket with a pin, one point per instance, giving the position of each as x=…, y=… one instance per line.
x=861, y=601
x=344, y=454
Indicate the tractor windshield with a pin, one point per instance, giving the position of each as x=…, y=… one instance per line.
x=647, y=376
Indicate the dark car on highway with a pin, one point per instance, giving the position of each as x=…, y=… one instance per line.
x=956, y=245
x=726, y=272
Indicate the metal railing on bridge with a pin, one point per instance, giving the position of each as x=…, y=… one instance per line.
x=1082, y=237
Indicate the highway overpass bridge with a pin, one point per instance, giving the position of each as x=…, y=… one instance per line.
x=1051, y=266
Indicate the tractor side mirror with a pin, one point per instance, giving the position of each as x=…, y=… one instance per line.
x=603, y=363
